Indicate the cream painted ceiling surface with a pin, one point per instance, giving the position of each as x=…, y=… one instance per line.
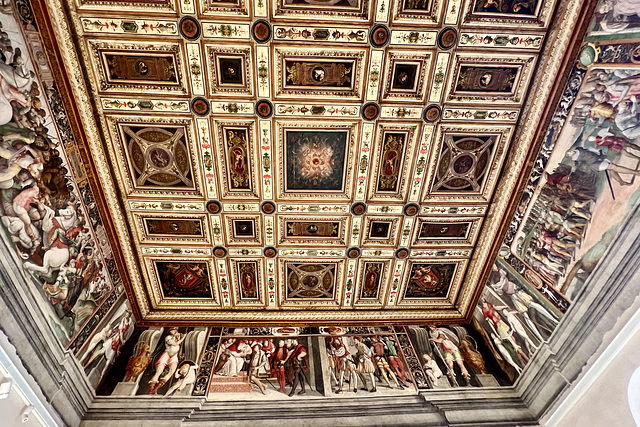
x=307, y=160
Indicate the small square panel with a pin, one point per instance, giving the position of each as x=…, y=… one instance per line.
x=243, y=229
x=417, y=11
x=380, y=230
x=406, y=76
x=223, y=7
x=230, y=70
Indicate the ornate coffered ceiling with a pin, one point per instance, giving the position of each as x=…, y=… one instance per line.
x=304, y=160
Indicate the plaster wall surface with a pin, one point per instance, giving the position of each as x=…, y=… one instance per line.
x=12, y=407
x=605, y=402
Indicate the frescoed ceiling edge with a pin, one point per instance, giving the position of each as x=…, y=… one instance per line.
x=478, y=267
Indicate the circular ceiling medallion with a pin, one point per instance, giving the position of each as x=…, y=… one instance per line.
x=159, y=157
x=353, y=252
x=411, y=209
x=200, y=106
x=370, y=111
x=270, y=252
x=264, y=108
x=402, y=253
x=190, y=28
x=219, y=252
x=463, y=163
x=431, y=113
x=379, y=36
x=358, y=208
x=268, y=207
x=447, y=38
x=261, y=31
x=213, y=207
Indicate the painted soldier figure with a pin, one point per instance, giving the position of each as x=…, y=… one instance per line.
x=394, y=360
x=379, y=348
x=277, y=367
x=298, y=360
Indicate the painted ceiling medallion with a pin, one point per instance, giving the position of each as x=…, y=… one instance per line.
x=270, y=252
x=190, y=28
x=261, y=31
x=200, y=106
x=358, y=208
x=353, y=252
x=370, y=111
x=402, y=253
x=219, y=252
x=431, y=113
x=447, y=38
x=213, y=207
x=264, y=108
x=268, y=207
x=411, y=209
x=379, y=36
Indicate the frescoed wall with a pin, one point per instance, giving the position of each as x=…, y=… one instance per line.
x=281, y=362
x=48, y=217
x=583, y=186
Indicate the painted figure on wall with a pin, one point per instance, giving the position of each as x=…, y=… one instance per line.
x=167, y=363
x=448, y=351
x=616, y=16
x=245, y=363
x=295, y=362
x=106, y=344
x=513, y=318
x=450, y=356
x=589, y=182
x=42, y=216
